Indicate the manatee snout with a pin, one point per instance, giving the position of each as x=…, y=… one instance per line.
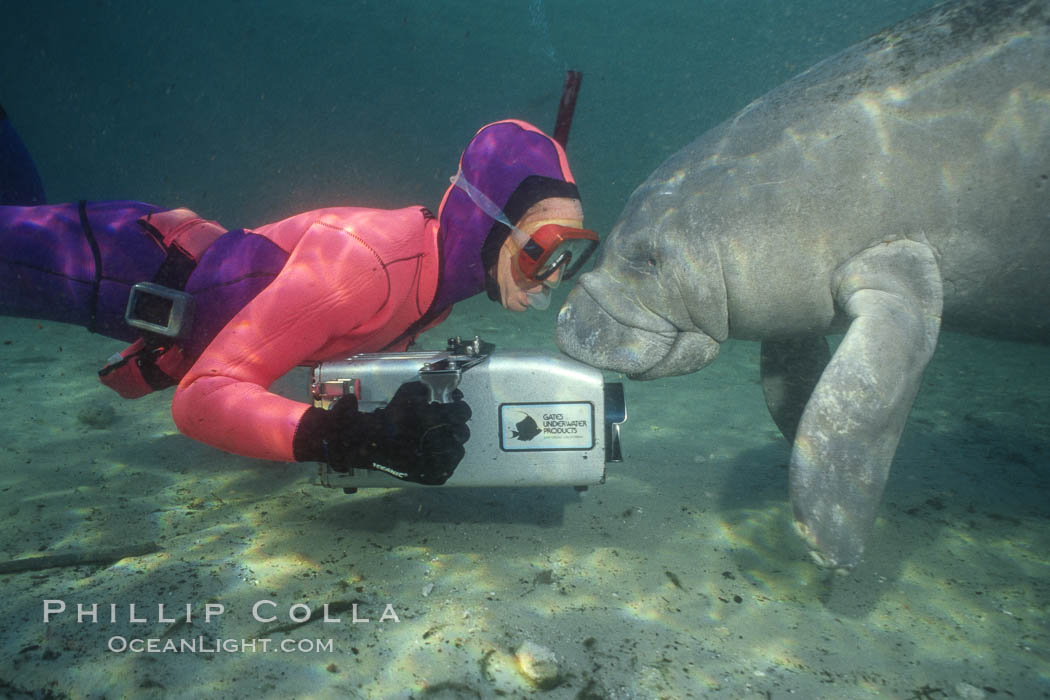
x=589, y=333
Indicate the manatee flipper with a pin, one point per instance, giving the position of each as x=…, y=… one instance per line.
x=850, y=428
x=790, y=370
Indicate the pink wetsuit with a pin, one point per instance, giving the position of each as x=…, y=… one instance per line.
x=356, y=280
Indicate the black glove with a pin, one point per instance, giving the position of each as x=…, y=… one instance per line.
x=409, y=438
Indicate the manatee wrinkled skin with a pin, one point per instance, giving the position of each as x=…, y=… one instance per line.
x=897, y=184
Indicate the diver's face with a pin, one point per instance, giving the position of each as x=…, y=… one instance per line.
x=513, y=295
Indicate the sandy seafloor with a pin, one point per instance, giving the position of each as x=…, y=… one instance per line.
x=678, y=577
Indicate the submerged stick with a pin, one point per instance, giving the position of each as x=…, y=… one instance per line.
x=78, y=557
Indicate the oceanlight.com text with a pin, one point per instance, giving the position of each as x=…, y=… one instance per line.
x=203, y=645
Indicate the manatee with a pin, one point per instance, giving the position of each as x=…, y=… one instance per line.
x=896, y=188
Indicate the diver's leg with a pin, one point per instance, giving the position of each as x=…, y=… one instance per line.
x=76, y=263
x=19, y=180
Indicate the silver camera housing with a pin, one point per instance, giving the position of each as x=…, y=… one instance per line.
x=538, y=418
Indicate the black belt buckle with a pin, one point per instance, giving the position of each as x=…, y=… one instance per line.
x=159, y=309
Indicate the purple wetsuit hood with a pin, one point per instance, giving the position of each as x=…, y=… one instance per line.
x=515, y=165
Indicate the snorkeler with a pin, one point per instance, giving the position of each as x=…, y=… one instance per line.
x=222, y=314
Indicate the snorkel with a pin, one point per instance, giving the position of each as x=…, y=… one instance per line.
x=567, y=106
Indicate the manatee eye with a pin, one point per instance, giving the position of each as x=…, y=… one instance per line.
x=652, y=262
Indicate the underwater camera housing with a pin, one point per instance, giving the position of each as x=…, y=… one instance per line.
x=539, y=419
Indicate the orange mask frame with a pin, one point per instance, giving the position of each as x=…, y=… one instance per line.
x=552, y=248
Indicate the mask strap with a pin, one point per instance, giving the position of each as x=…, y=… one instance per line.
x=489, y=207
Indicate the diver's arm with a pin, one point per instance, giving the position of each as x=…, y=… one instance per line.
x=223, y=399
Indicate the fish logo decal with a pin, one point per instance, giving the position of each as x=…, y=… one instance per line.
x=526, y=429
